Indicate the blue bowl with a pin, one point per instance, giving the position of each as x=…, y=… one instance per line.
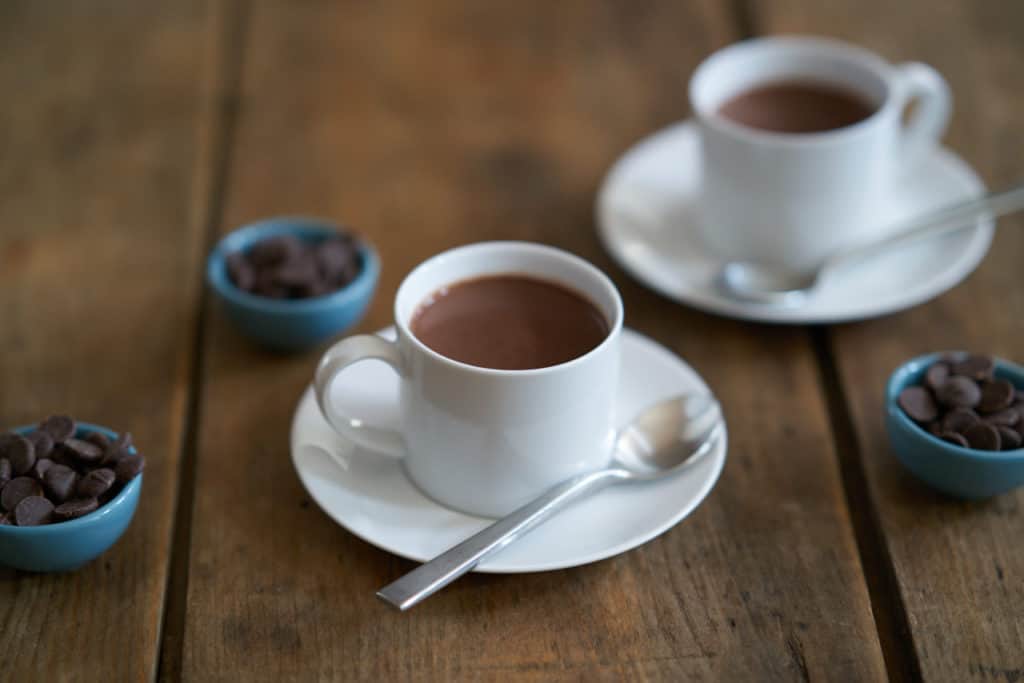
x=290, y=324
x=68, y=545
x=958, y=471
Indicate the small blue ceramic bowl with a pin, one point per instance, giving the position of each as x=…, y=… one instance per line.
x=68, y=545
x=291, y=324
x=952, y=469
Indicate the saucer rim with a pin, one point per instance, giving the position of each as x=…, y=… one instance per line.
x=708, y=300
x=717, y=457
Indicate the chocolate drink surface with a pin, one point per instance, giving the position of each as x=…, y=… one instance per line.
x=509, y=322
x=796, y=107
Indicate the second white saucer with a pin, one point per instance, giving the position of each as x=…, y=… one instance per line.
x=370, y=495
x=647, y=219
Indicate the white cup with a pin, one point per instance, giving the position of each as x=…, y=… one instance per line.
x=481, y=440
x=791, y=199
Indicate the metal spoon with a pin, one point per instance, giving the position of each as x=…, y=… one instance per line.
x=772, y=285
x=664, y=440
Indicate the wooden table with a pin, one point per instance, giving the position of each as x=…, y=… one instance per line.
x=133, y=134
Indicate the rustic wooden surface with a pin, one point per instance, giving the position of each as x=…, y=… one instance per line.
x=750, y=586
x=102, y=180
x=134, y=137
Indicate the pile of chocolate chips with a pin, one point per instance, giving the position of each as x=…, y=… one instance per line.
x=286, y=267
x=49, y=475
x=962, y=402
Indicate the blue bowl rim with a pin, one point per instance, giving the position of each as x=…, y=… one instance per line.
x=898, y=381
x=96, y=517
x=301, y=226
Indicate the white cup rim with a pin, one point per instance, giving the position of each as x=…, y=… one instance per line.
x=849, y=52
x=614, y=325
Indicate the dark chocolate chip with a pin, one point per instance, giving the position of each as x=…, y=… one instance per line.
x=996, y=395
x=18, y=488
x=959, y=392
x=39, y=469
x=98, y=439
x=241, y=273
x=333, y=255
x=975, y=366
x=959, y=419
x=273, y=251
x=33, y=511
x=119, y=448
x=983, y=437
x=22, y=455
x=128, y=468
x=934, y=428
x=954, y=438
x=73, y=509
x=6, y=471
x=83, y=451
x=96, y=483
x=918, y=403
x=298, y=272
x=936, y=375
x=1005, y=418
x=60, y=427
x=1010, y=438
x=42, y=441
x=60, y=482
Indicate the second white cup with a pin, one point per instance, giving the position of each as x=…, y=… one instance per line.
x=791, y=199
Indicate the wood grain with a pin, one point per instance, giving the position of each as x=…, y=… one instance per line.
x=100, y=179
x=957, y=565
x=427, y=126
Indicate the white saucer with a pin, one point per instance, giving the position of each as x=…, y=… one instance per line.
x=663, y=248
x=369, y=494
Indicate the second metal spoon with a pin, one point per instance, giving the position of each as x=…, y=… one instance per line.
x=772, y=285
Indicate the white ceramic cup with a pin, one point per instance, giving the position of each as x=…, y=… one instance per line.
x=791, y=199
x=481, y=440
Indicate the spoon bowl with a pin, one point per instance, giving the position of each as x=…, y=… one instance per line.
x=666, y=436
x=764, y=284
x=665, y=440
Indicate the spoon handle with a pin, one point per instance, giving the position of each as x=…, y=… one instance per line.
x=431, y=577
x=947, y=219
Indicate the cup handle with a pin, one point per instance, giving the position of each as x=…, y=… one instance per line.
x=340, y=356
x=929, y=119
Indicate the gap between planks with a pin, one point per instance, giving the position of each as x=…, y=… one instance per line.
x=887, y=606
x=230, y=19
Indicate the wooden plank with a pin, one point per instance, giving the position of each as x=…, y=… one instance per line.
x=957, y=565
x=100, y=186
x=432, y=125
